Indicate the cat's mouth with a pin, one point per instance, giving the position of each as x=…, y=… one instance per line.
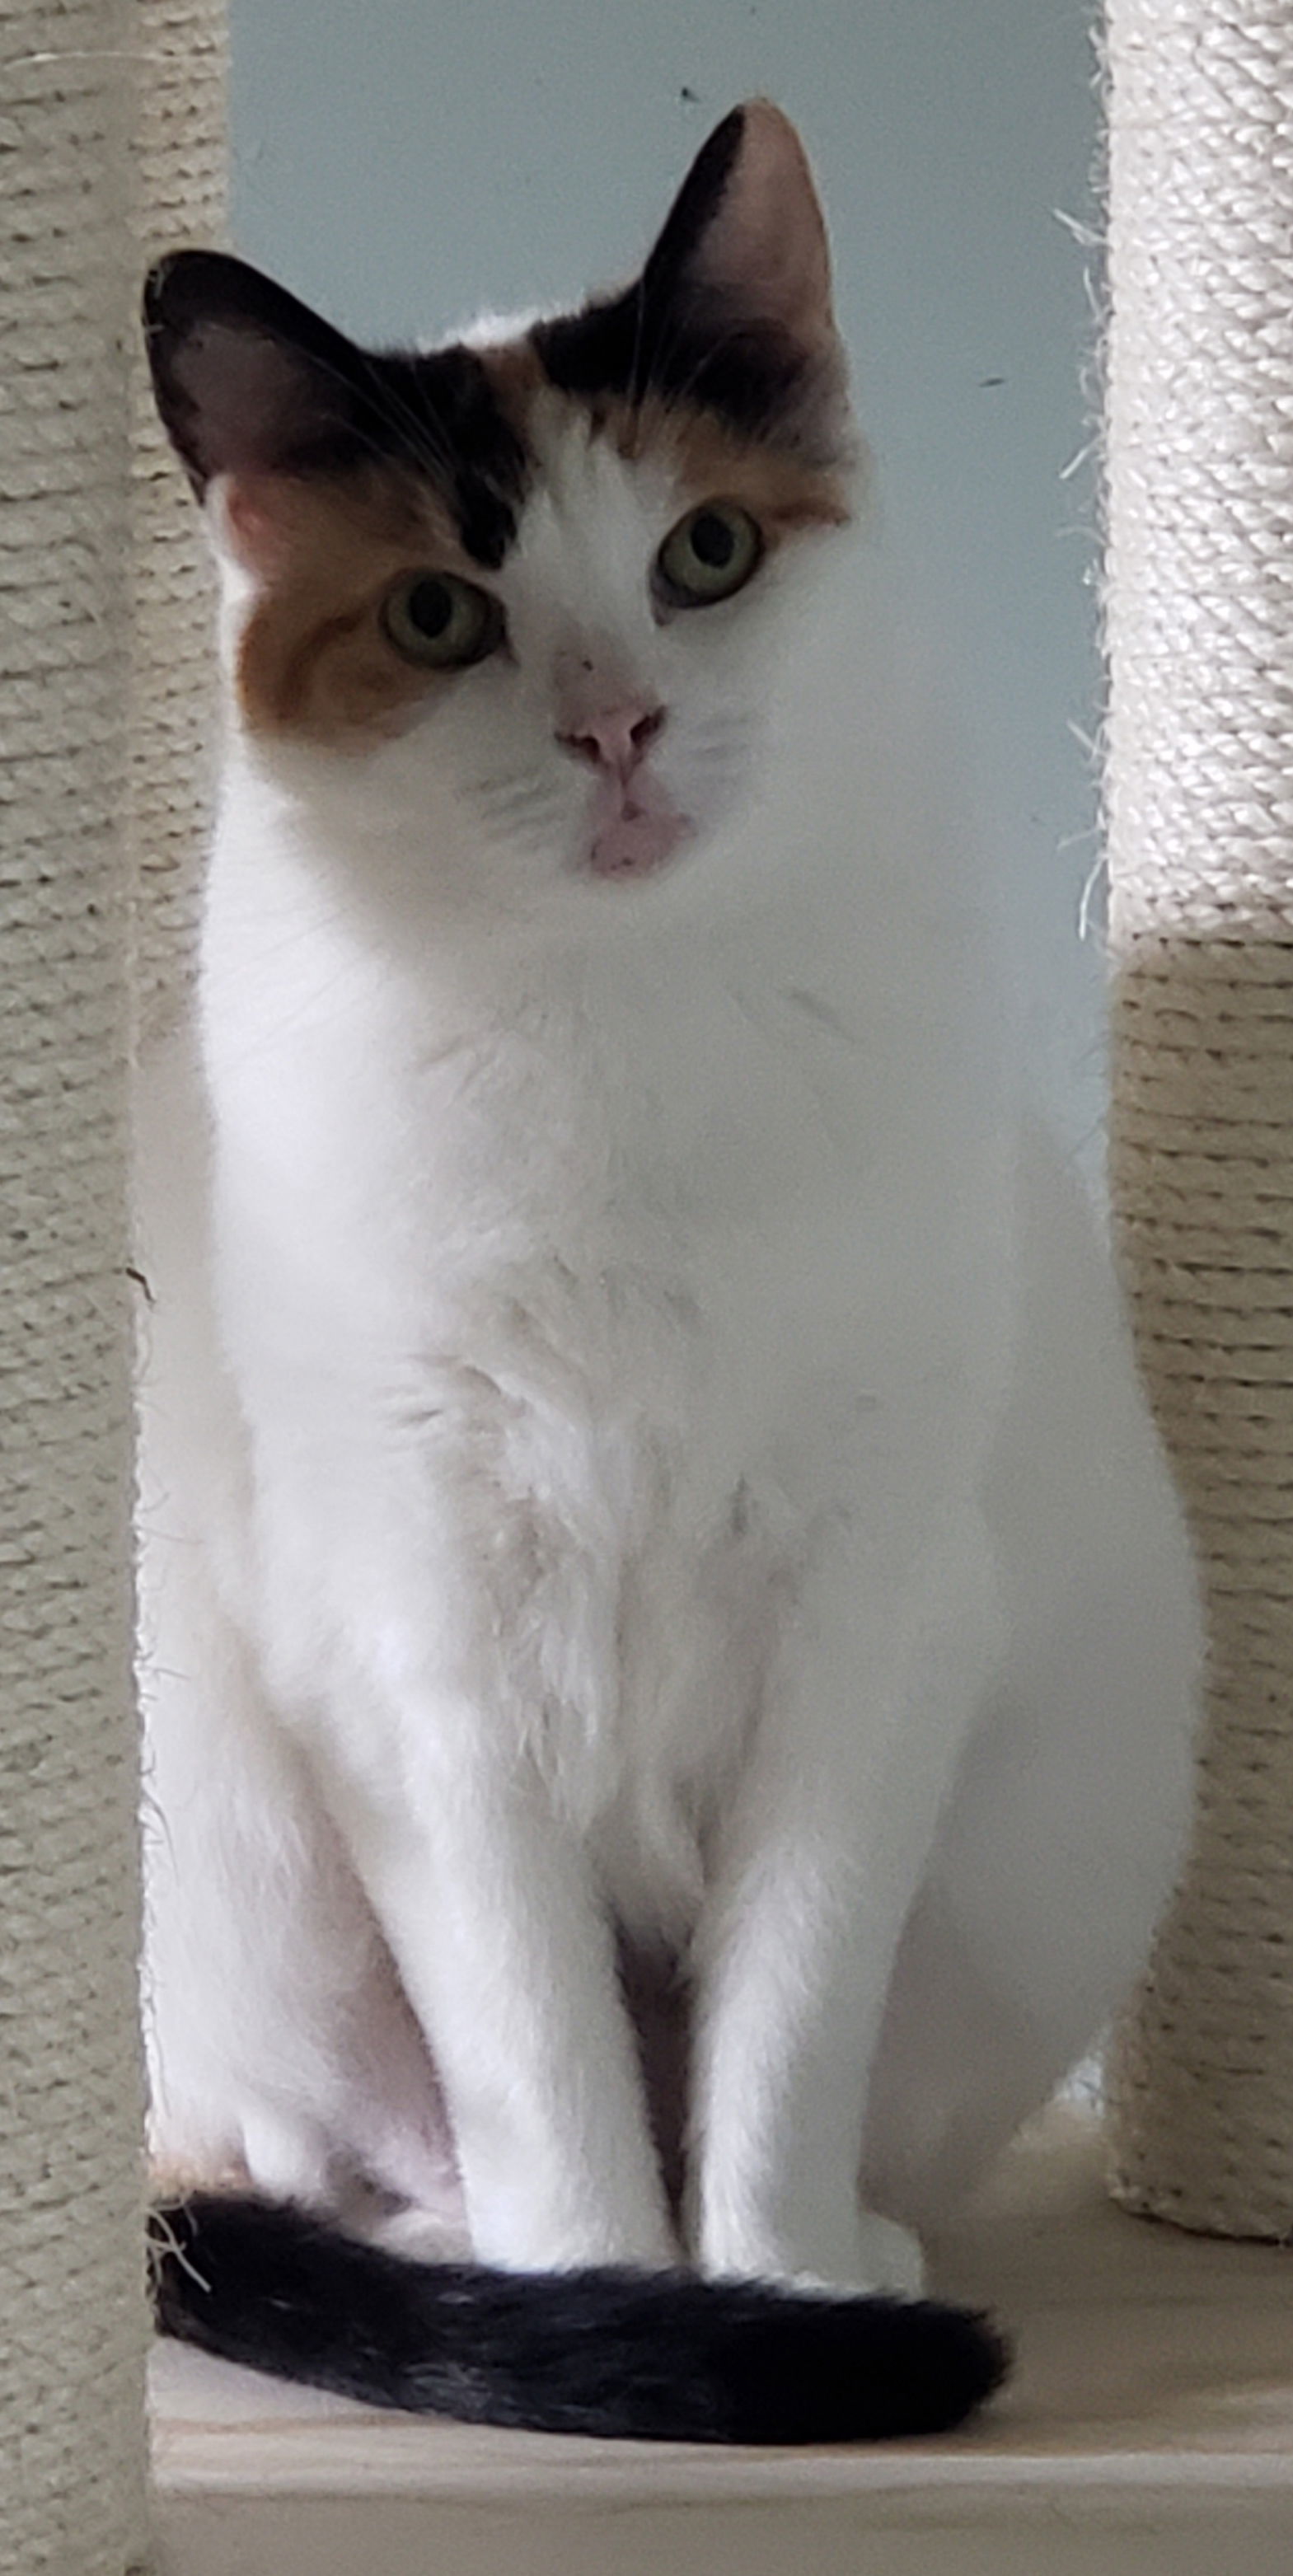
x=634, y=829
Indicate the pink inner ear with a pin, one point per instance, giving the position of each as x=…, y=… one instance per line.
x=254, y=519
x=767, y=240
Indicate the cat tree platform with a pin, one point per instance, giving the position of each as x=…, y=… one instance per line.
x=1148, y=2431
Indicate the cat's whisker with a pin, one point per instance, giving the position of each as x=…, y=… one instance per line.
x=513, y=792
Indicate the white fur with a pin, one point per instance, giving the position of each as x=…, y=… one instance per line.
x=639, y=1430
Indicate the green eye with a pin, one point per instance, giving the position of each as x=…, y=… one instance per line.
x=710, y=554
x=441, y=622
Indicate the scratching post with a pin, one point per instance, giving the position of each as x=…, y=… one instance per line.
x=180, y=193
x=1199, y=609
x=72, y=2311
x=111, y=144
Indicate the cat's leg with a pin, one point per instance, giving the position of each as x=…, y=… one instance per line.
x=508, y=1957
x=279, y=2046
x=232, y=1992
x=1061, y=1840
x=280, y=2049
x=1054, y=1860
x=1065, y=1828
x=829, y=1838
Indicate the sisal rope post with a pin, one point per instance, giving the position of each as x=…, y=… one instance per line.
x=180, y=161
x=72, y=2309
x=1199, y=608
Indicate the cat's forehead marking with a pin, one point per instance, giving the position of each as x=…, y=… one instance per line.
x=674, y=449
x=708, y=460
x=588, y=531
x=473, y=445
x=750, y=378
x=673, y=457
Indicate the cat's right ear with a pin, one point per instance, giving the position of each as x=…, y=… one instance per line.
x=250, y=384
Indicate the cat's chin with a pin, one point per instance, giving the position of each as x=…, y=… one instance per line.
x=637, y=846
x=635, y=831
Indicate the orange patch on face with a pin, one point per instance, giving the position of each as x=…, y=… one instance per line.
x=713, y=463
x=314, y=658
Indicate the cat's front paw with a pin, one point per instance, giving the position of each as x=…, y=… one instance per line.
x=886, y=2261
x=866, y=2256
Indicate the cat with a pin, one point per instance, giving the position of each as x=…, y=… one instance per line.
x=670, y=1649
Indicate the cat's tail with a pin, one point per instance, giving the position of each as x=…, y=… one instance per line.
x=657, y=2357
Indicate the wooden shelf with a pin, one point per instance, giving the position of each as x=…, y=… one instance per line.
x=1148, y=2431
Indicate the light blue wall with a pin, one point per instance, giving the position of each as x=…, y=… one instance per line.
x=402, y=162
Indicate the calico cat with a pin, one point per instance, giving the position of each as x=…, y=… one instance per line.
x=670, y=1650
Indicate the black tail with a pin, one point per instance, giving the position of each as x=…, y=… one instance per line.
x=656, y=2357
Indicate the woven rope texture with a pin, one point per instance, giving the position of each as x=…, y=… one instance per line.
x=1199, y=609
x=72, y=2327
x=180, y=181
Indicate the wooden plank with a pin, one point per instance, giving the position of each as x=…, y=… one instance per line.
x=1149, y=2428
x=1163, y=2533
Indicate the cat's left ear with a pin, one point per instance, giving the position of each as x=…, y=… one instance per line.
x=746, y=229
x=732, y=311
x=256, y=393
x=246, y=378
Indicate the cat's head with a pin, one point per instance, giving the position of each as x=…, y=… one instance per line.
x=520, y=600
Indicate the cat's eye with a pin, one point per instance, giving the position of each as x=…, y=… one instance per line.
x=441, y=621
x=709, y=555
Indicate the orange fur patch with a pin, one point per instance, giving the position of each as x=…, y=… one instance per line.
x=714, y=463
x=314, y=658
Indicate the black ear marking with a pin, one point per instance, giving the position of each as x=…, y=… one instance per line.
x=695, y=206
x=249, y=380
x=246, y=377
x=731, y=312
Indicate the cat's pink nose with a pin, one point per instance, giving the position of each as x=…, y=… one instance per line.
x=617, y=739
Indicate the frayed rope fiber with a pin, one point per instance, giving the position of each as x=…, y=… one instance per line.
x=1199, y=796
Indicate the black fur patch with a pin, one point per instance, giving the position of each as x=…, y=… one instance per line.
x=624, y=2355
x=672, y=336
x=311, y=402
